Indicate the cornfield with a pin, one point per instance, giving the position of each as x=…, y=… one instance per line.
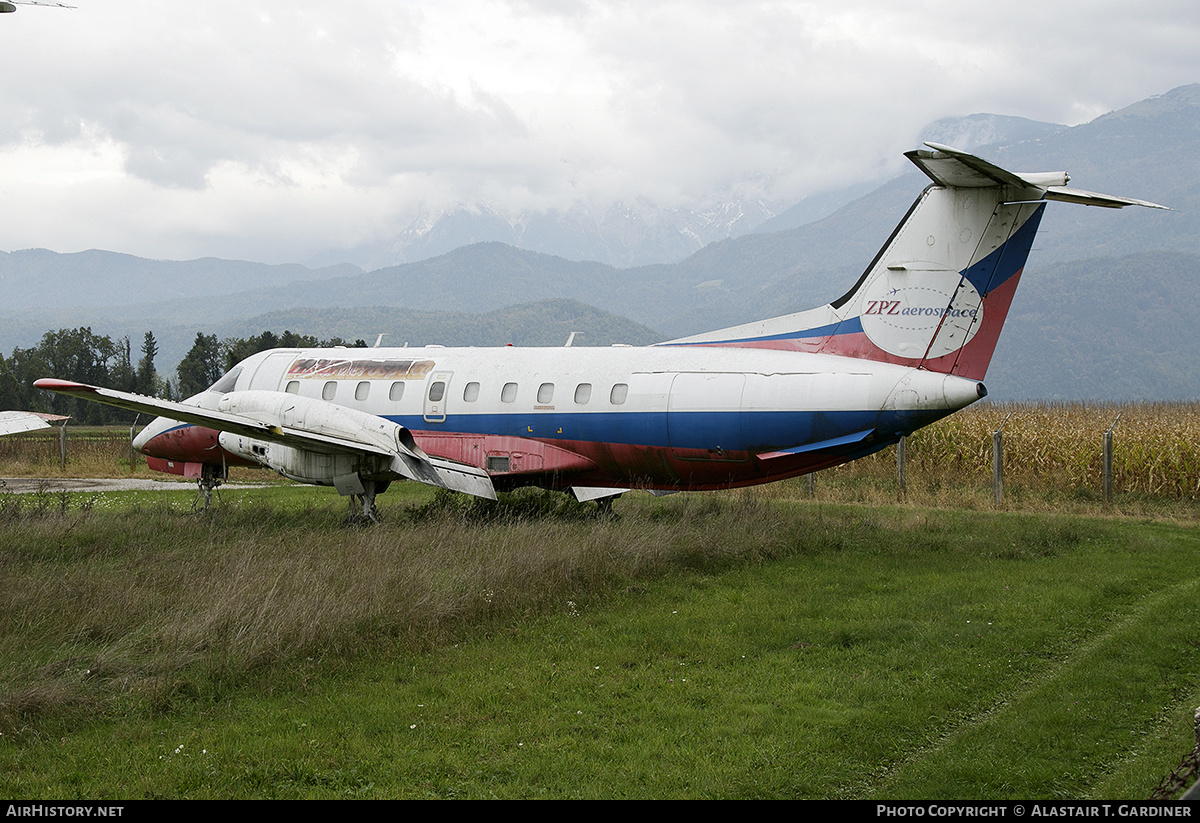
x=1156, y=447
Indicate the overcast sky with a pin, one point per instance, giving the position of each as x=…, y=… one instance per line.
x=273, y=131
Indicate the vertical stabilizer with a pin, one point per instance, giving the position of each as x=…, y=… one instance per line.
x=937, y=294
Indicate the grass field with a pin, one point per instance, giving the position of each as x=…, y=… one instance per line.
x=754, y=644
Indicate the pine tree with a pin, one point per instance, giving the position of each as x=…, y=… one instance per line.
x=147, y=377
x=201, y=366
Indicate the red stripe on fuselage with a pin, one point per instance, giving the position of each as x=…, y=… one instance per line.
x=971, y=361
x=617, y=464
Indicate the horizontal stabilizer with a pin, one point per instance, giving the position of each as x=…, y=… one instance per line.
x=1091, y=198
x=953, y=168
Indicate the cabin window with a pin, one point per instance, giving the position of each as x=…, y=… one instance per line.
x=618, y=394
x=293, y=387
x=471, y=392
x=509, y=393
x=545, y=392
x=396, y=391
x=362, y=390
x=329, y=390
x=583, y=393
x=437, y=391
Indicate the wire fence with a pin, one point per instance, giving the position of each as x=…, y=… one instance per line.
x=1149, y=449
x=102, y=449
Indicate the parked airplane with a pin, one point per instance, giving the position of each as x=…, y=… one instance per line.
x=9, y=6
x=907, y=345
x=15, y=422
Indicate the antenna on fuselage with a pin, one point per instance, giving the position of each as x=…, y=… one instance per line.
x=571, y=339
x=379, y=339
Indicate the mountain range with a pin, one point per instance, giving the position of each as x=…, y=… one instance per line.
x=1104, y=311
x=641, y=232
x=622, y=234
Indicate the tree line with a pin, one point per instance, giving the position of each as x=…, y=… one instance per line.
x=85, y=357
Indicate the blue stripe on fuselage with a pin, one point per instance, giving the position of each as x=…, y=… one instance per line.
x=851, y=325
x=731, y=430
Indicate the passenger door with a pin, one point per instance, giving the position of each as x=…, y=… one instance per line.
x=437, y=393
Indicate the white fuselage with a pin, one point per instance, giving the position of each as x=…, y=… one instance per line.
x=662, y=416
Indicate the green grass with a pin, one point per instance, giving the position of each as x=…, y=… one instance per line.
x=699, y=646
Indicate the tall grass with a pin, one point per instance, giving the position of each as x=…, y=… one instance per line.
x=92, y=451
x=697, y=645
x=150, y=602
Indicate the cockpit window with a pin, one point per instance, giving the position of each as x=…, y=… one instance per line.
x=227, y=383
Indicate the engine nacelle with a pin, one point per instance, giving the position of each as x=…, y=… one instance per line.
x=317, y=416
x=311, y=464
x=345, y=471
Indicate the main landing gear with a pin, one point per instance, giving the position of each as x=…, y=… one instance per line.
x=362, y=504
x=604, y=507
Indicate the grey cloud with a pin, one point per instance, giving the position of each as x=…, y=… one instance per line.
x=671, y=101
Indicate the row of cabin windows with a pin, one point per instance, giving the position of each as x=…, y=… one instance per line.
x=508, y=394
x=361, y=390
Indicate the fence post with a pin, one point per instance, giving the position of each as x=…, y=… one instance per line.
x=1107, y=470
x=901, y=449
x=62, y=446
x=998, y=463
x=811, y=477
x=132, y=453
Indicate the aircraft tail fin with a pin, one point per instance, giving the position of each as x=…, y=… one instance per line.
x=937, y=294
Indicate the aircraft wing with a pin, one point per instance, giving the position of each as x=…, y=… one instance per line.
x=407, y=458
x=15, y=422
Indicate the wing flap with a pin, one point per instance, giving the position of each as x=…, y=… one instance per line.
x=446, y=474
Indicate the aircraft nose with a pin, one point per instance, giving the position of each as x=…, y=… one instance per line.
x=152, y=430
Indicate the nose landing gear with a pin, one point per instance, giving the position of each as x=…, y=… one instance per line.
x=210, y=479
